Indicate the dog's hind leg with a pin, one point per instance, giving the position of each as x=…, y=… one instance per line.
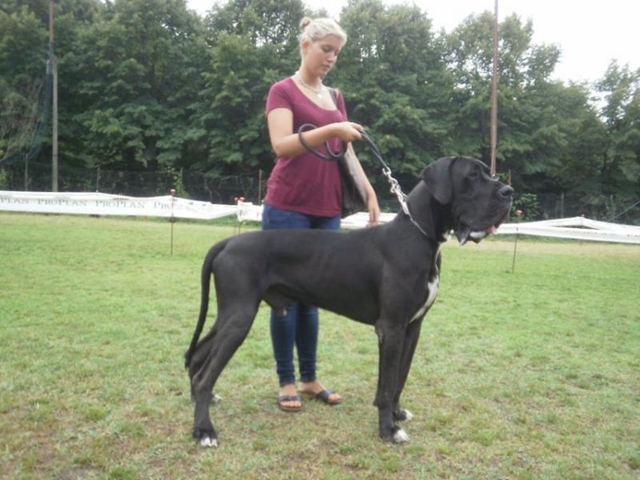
x=211, y=356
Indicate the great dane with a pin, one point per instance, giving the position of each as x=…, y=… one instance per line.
x=386, y=276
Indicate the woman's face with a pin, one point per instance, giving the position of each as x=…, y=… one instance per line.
x=320, y=56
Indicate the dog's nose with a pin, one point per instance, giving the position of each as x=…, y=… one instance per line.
x=506, y=191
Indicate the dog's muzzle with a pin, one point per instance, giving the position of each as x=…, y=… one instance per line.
x=465, y=233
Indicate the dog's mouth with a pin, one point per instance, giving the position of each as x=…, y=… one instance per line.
x=464, y=233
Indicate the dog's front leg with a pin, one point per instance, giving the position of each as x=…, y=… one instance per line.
x=412, y=336
x=390, y=345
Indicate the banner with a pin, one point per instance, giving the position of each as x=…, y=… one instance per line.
x=578, y=228
x=106, y=204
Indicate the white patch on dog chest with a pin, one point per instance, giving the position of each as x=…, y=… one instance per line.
x=433, y=293
x=432, y=287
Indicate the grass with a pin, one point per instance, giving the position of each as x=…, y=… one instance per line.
x=533, y=374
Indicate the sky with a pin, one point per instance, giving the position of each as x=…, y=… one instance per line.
x=589, y=34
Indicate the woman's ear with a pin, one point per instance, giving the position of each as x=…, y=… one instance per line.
x=305, y=44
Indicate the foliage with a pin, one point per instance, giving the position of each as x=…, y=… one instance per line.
x=22, y=57
x=620, y=155
x=528, y=207
x=4, y=184
x=147, y=85
x=397, y=93
x=139, y=72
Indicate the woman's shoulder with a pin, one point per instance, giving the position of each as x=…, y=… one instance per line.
x=283, y=85
x=281, y=94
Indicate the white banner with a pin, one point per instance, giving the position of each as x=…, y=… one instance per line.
x=578, y=228
x=105, y=204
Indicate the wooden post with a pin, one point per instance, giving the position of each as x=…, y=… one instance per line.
x=494, y=93
x=54, y=112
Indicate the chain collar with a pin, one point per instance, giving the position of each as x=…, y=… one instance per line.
x=402, y=198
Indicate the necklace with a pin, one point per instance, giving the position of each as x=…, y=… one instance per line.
x=317, y=91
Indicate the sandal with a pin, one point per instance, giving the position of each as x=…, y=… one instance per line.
x=323, y=396
x=289, y=398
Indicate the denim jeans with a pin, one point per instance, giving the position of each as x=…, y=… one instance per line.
x=299, y=325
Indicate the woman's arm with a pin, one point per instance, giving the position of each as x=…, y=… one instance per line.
x=372, y=198
x=285, y=142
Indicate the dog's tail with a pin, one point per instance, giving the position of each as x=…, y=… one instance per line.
x=205, y=281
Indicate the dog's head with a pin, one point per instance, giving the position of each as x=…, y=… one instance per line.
x=478, y=203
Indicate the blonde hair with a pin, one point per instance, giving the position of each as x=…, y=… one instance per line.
x=319, y=28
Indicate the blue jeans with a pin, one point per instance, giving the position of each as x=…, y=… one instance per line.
x=299, y=325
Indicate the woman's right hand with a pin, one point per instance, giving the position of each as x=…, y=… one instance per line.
x=285, y=141
x=348, y=131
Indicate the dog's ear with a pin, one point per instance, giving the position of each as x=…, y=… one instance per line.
x=437, y=176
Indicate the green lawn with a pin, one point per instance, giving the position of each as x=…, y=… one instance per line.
x=533, y=374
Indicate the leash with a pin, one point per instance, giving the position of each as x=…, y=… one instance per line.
x=331, y=155
x=386, y=170
x=395, y=186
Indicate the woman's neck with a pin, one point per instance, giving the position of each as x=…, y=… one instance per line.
x=318, y=90
x=310, y=81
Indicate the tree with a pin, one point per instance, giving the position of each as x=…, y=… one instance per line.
x=538, y=119
x=23, y=42
x=620, y=155
x=395, y=82
x=253, y=44
x=138, y=71
x=522, y=69
x=148, y=86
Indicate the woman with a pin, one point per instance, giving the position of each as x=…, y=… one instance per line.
x=305, y=191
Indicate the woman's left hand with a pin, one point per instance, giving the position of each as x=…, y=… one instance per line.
x=373, y=208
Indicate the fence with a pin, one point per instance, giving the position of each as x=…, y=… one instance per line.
x=198, y=186
x=169, y=206
x=225, y=189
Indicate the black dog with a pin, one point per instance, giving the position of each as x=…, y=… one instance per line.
x=385, y=276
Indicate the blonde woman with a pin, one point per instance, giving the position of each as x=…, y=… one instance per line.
x=305, y=192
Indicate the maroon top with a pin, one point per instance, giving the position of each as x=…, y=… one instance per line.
x=305, y=184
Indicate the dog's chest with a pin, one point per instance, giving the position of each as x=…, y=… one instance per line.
x=432, y=287
x=432, y=292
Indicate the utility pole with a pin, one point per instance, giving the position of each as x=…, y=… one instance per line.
x=494, y=93
x=53, y=70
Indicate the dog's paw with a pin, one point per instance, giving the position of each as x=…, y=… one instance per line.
x=402, y=415
x=205, y=437
x=208, y=442
x=400, y=436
